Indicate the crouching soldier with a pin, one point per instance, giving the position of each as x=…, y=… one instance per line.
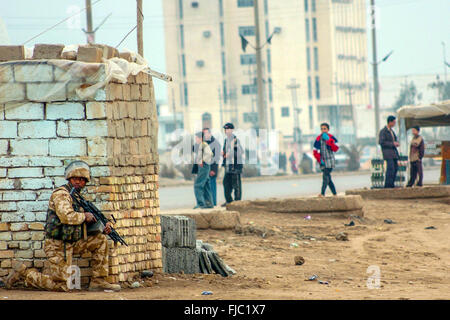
x=65, y=234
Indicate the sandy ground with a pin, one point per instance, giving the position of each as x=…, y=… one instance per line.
x=413, y=261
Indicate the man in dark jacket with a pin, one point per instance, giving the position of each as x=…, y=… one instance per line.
x=416, y=153
x=215, y=148
x=233, y=162
x=389, y=143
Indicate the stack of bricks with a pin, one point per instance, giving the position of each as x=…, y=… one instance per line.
x=44, y=125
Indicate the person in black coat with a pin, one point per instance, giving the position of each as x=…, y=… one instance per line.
x=215, y=148
x=389, y=144
x=233, y=162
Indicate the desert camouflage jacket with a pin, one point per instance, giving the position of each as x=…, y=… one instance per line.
x=61, y=202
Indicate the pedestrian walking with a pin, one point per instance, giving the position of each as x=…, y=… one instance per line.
x=202, y=167
x=324, y=148
x=389, y=143
x=416, y=153
x=293, y=163
x=215, y=146
x=233, y=162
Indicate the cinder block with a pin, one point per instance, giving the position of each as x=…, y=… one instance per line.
x=6, y=254
x=33, y=72
x=29, y=216
x=32, y=206
x=45, y=162
x=10, y=92
x=135, y=92
x=46, y=92
x=24, y=111
x=6, y=184
x=100, y=171
x=37, y=129
x=29, y=147
x=18, y=195
x=65, y=111
x=67, y=147
x=24, y=254
x=44, y=195
x=69, y=55
x=8, y=206
x=8, y=53
x=47, y=51
x=89, y=54
x=175, y=260
x=3, y=147
x=54, y=171
x=108, y=51
x=97, y=147
x=62, y=129
x=24, y=245
x=91, y=128
x=6, y=74
x=41, y=216
x=8, y=129
x=178, y=231
x=95, y=110
x=36, y=183
x=37, y=236
x=24, y=172
x=19, y=226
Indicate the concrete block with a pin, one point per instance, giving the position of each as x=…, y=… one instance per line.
x=108, y=51
x=95, y=110
x=21, y=236
x=12, y=217
x=178, y=231
x=10, y=92
x=29, y=216
x=44, y=162
x=7, y=184
x=33, y=72
x=8, y=206
x=8, y=53
x=24, y=245
x=65, y=111
x=97, y=147
x=24, y=254
x=180, y=259
x=62, y=129
x=13, y=161
x=19, y=226
x=47, y=51
x=89, y=54
x=218, y=219
x=41, y=216
x=5, y=254
x=67, y=147
x=3, y=147
x=29, y=147
x=91, y=128
x=8, y=129
x=54, y=171
x=6, y=73
x=32, y=206
x=2, y=174
x=43, y=195
x=439, y=191
x=69, y=55
x=25, y=172
x=46, y=92
x=24, y=111
x=100, y=171
x=37, y=129
x=36, y=183
x=19, y=195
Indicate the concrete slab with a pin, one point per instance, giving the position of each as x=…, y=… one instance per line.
x=437, y=191
x=215, y=218
x=339, y=205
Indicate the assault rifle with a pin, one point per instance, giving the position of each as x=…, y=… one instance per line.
x=99, y=216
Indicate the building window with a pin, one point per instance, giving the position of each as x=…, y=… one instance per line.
x=309, y=88
x=194, y=4
x=269, y=61
x=266, y=7
x=267, y=29
x=270, y=90
x=313, y=5
x=245, y=3
x=180, y=6
x=248, y=58
x=225, y=91
x=317, y=88
x=249, y=89
x=308, y=58
x=311, y=117
x=314, y=27
x=221, y=7
x=182, y=36
x=200, y=63
x=206, y=120
x=250, y=117
x=316, y=59
x=307, y=29
x=183, y=65
x=306, y=5
x=224, y=67
x=285, y=112
x=247, y=31
x=222, y=35
x=186, y=101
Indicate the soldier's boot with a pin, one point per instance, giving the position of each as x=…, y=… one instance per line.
x=99, y=284
x=17, y=273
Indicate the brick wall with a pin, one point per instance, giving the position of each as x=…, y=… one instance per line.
x=44, y=125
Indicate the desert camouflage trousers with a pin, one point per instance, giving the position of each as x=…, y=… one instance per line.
x=55, y=277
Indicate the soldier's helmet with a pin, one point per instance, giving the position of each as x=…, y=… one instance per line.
x=77, y=169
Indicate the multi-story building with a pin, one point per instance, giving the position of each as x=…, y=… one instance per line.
x=316, y=60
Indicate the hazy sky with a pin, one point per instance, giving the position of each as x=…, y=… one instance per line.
x=414, y=29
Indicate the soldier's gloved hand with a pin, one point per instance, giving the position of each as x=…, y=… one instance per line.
x=89, y=217
x=107, y=229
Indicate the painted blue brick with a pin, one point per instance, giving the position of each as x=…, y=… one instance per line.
x=44, y=195
x=59, y=181
x=62, y=129
x=41, y=216
x=100, y=171
x=37, y=129
x=65, y=111
x=7, y=184
x=46, y=92
x=91, y=128
x=45, y=162
x=29, y=216
x=8, y=206
x=24, y=111
x=54, y=171
x=25, y=172
x=67, y=147
x=8, y=129
x=36, y=183
x=28, y=206
x=33, y=72
x=18, y=195
x=12, y=217
x=2, y=172
x=3, y=147
x=13, y=162
x=38, y=147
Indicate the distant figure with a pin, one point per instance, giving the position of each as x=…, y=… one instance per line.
x=306, y=164
x=389, y=143
x=416, y=153
x=293, y=163
x=215, y=148
x=201, y=167
x=283, y=161
x=324, y=148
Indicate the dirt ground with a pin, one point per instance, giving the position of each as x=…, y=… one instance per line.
x=413, y=261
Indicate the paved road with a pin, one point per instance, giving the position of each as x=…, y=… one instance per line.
x=175, y=197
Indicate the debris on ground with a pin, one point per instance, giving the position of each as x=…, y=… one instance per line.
x=135, y=285
x=351, y=224
x=389, y=221
x=431, y=228
x=299, y=260
x=293, y=245
x=210, y=262
x=206, y=293
x=252, y=229
x=313, y=277
x=147, y=274
x=307, y=217
x=342, y=236
x=323, y=282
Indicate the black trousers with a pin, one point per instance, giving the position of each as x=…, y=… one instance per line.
x=416, y=169
x=232, y=181
x=391, y=173
x=326, y=181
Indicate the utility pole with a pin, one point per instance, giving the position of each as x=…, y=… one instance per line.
x=354, y=120
x=174, y=111
x=90, y=34
x=375, y=72
x=140, y=36
x=293, y=87
x=262, y=116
